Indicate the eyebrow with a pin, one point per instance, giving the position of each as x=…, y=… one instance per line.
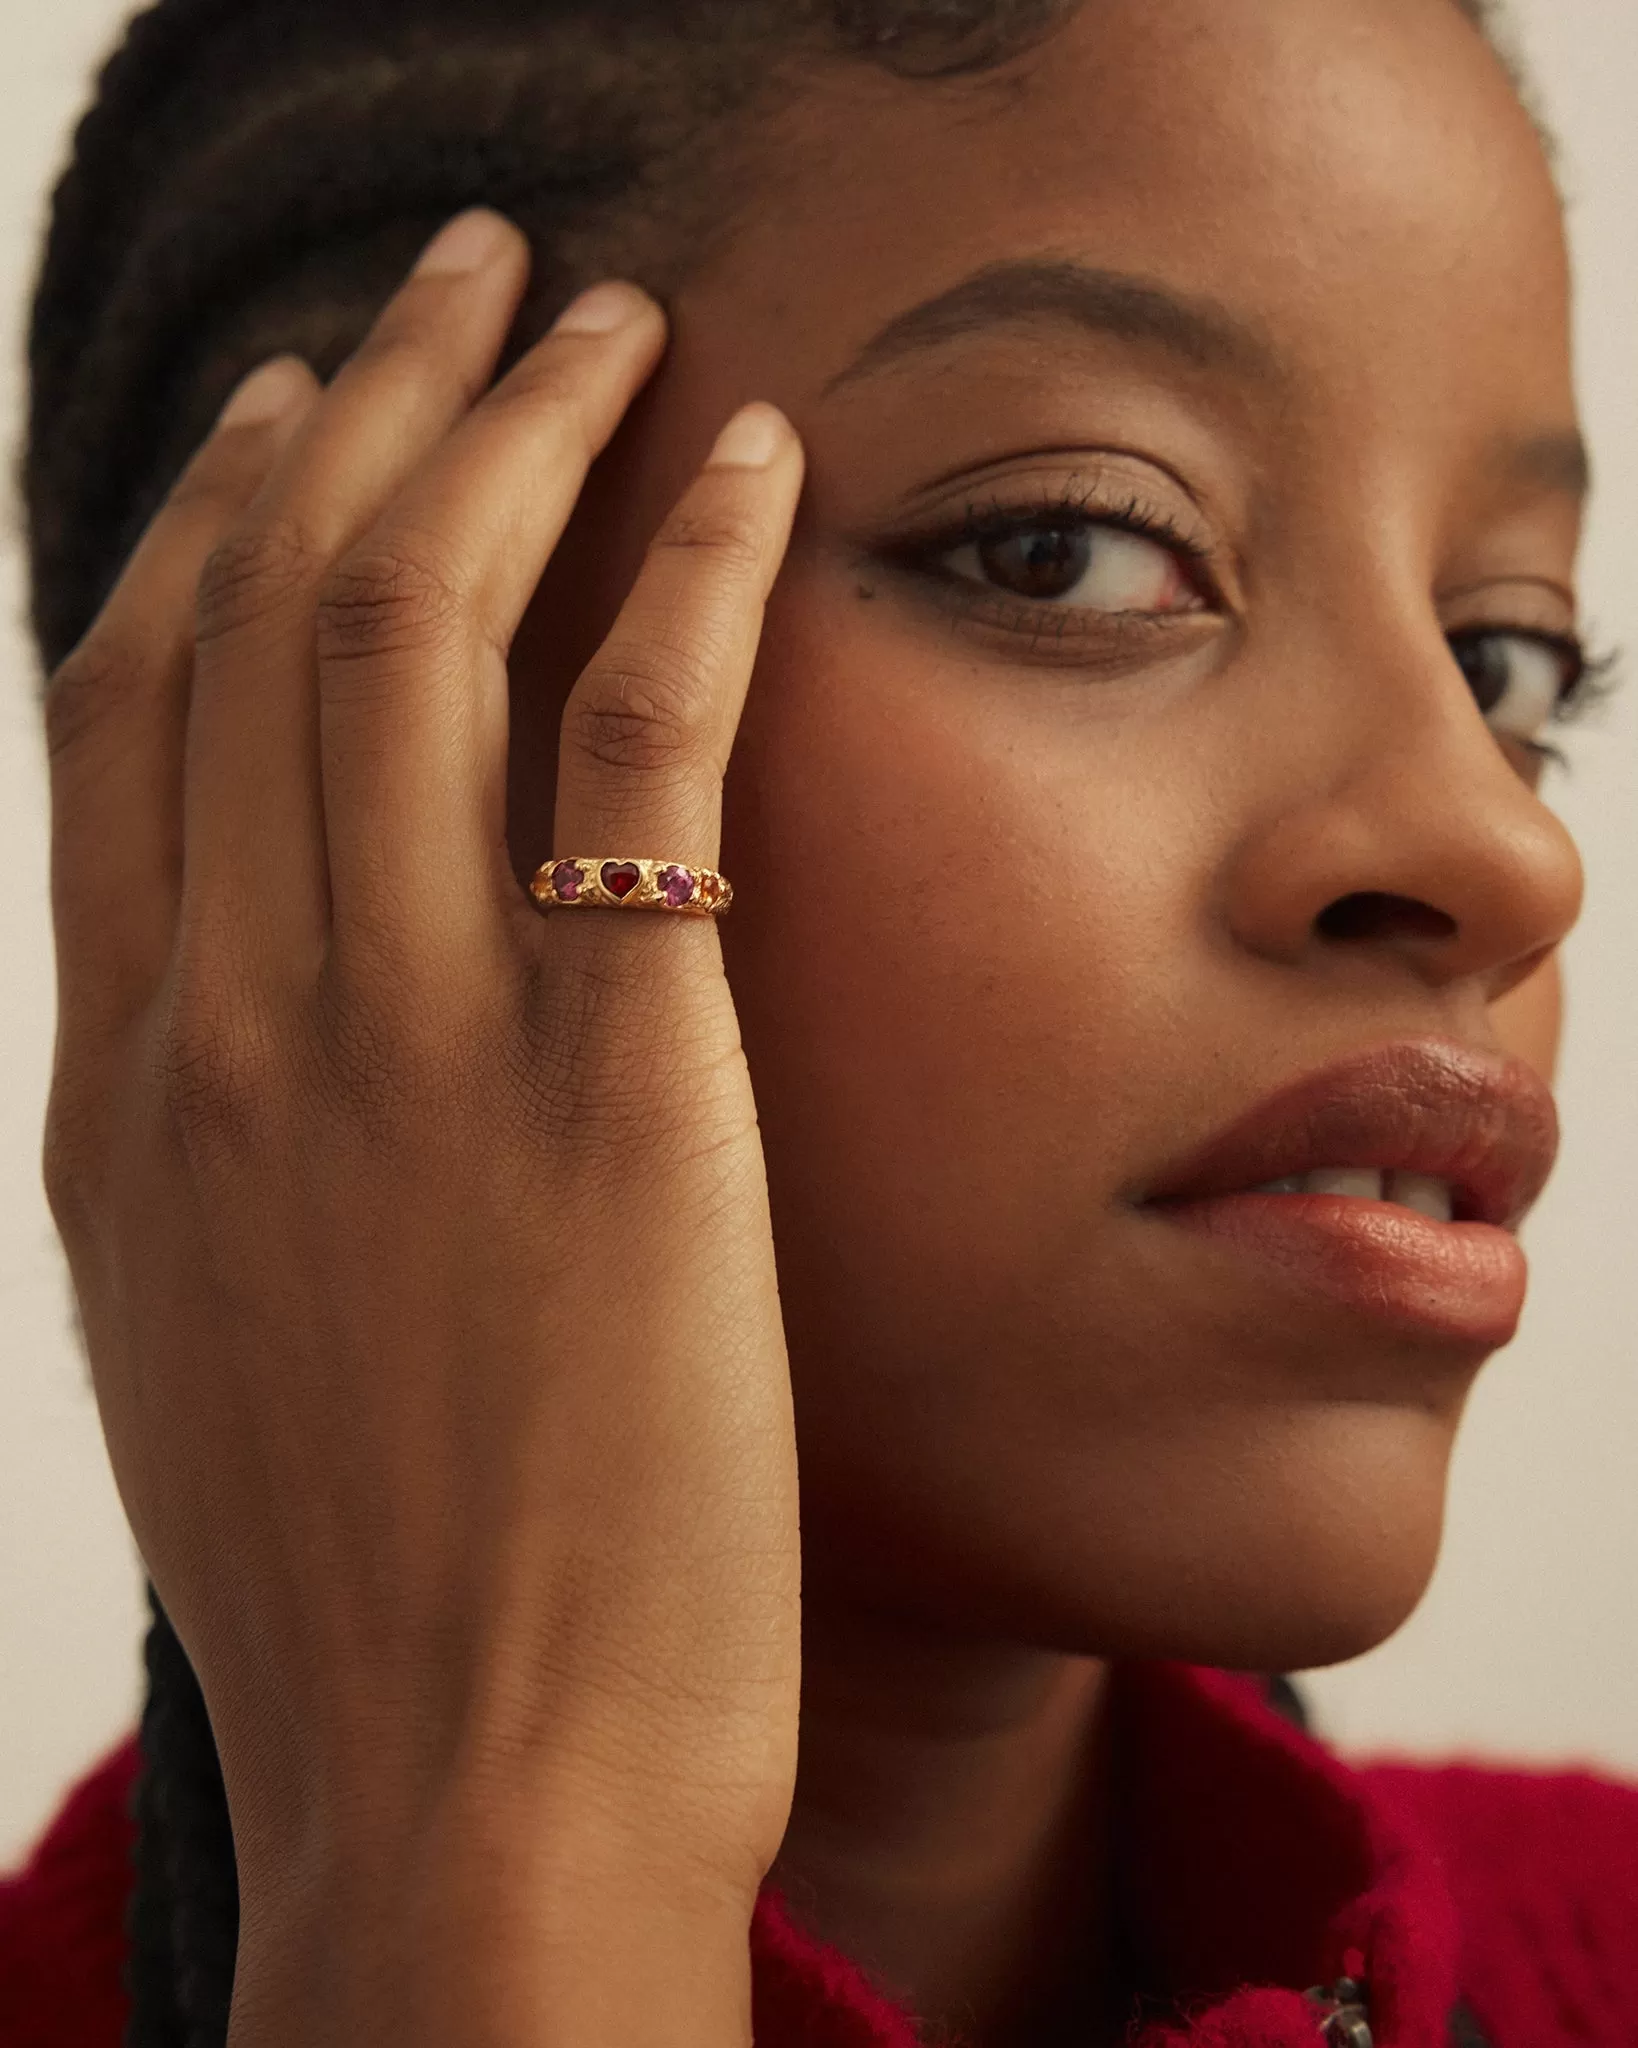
x=1200, y=331
x=1557, y=462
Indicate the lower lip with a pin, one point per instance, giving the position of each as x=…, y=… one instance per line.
x=1459, y=1283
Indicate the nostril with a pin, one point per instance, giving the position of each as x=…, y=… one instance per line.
x=1372, y=914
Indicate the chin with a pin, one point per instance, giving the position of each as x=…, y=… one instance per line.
x=1312, y=1541
x=1277, y=1538
x=1325, y=1601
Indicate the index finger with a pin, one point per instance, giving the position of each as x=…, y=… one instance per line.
x=648, y=728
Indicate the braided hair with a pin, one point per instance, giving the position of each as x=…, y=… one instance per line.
x=255, y=175
x=252, y=178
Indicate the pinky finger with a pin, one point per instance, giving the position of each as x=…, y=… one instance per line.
x=116, y=712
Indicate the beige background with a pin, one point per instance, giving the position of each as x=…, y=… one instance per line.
x=1529, y=1641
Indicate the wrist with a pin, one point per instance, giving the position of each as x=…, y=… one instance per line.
x=491, y=1940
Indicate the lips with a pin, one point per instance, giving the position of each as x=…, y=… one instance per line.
x=1482, y=1122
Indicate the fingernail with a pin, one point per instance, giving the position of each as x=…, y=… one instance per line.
x=469, y=242
x=751, y=439
x=267, y=393
x=602, y=309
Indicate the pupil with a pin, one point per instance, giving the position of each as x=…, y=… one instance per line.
x=1484, y=663
x=1041, y=561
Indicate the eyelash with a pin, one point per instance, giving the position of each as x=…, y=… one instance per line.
x=998, y=521
x=1593, y=678
x=1059, y=508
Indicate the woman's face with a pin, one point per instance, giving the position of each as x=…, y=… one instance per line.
x=1176, y=399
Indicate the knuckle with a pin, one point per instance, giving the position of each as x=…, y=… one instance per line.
x=95, y=680
x=639, y=715
x=377, y=1019
x=404, y=1046
x=374, y=1076
x=404, y=357
x=214, y=1067
x=207, y=491
x=70, y=1160
x=386, y=600
x=580, y=1027
x=726, y=536
x=251, y=573
x=572, y=1017
x=550, y=389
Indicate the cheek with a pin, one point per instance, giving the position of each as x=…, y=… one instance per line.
x=953, y=955
x=970, y=951
x=1529, y=1020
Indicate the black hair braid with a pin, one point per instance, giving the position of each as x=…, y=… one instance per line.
x=160, y=247
x=183, y=1921
x=254, y=176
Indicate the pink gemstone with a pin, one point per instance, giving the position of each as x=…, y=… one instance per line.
x=676, y=886
x=620, y=877
x=567, y=882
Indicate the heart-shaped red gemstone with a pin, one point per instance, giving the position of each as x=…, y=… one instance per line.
x=620, y=877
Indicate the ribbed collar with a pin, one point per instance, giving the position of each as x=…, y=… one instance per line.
x=1252, y=1865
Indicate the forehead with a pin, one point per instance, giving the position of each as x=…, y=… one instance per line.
x=1355, y=179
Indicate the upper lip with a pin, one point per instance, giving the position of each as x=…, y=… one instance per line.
x=1479, y=1120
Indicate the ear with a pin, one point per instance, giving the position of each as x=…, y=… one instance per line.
x=1529, y=1019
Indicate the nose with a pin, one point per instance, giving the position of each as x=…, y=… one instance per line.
x=1394, y=826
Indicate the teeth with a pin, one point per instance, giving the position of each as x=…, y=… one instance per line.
x=1419, y=1191
x=1364, y=1183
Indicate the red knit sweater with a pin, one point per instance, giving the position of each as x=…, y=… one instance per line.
x=1256, y=1864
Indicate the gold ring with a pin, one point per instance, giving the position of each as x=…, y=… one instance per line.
x=588, y=882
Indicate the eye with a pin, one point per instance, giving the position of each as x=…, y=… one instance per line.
x=1085, y=564
x=1519, y=680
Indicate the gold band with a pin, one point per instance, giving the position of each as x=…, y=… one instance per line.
x=591, y=882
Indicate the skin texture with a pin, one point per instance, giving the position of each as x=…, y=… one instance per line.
x=506, y=1756
x=1018, y=923
x=1028, y=916
x=1028, y=907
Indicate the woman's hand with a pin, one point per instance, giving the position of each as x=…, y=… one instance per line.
x=421, y=1242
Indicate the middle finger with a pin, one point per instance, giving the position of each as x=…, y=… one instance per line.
x=254, y=863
